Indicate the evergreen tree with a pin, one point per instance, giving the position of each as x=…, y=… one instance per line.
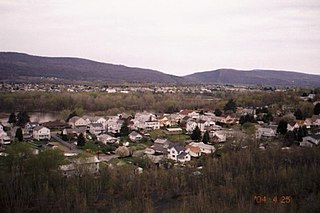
x=298, y=114
x=19, y=135
x=282, y=127
x=217, y=112
x=12, y=118
x=206, y=137
x=22, y=118
x=267, y=117
x=246, y=118
x=196, y=134
x=81, y=141
x=124, y=130
x=316, y=109
x=230, y=106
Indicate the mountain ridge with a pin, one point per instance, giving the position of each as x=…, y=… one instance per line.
x=15, y=65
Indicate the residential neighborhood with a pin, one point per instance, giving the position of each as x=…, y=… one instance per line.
x=182, y=137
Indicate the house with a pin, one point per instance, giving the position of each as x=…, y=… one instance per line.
x=95, y=119
x=105, y=138
x=175, y=119
x=192, y=124
x=308, y=123
x=315, y=120
x=310, y=140
x=27, y=133
x=177, y=152
x=41, y=133
x=225, y=119
x=4, y=139
x=194, y=151
x=57, y=124
x=160, y=146
x=96, y=128
x=220, y=136
x=75, y=132
x=194, y=115
x=290, y=127
x=152, y=124
x=215, y=127
x=114, y=124
x=81, y=166
x=134, y=136
x=185, y=112
x=205, y=148
x=145, y=116
x=76, y=122
x=265, y=132
x=174, y=131
x=164, y=121
x=31, y=125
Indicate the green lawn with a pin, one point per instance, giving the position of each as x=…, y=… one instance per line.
x=178, y=138
x=174, y=138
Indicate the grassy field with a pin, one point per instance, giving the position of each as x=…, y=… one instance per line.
x=159, y=133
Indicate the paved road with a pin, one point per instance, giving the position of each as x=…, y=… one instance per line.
x=72, y=147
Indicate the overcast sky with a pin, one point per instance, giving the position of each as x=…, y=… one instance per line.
x=172, y=36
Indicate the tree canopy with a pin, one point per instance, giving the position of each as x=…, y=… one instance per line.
x=19, y=134
x=230, y=106
x=316, y=110
x=22, y=118
x=217, y=112
x=196, y=134
x=282, y=127
x=12, y=118
x=81, y=141
x=206, y=137
x=298, y=114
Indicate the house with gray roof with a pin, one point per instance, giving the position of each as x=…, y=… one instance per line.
x=178, y=152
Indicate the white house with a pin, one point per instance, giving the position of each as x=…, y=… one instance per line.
x=220, y=135
x=152, y=125
x=174, y=131
x=31, y=125
x=96, y=128
x=192, y=124
x=41, y=133
x=114, y=124
x=105, y=138
x=134, y=136
x=77, y=122
x=81, y=166
x=265, y=132
x=145, y=116
x=96, y=119
x=4, y=139
x=205, y=148
x=178, y=153
x=310, y=140
x=194, y=115
x=316, y=120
